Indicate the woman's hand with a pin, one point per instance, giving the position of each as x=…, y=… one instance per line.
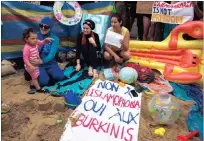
x=122, y=41
x=48, y=39
x=92, y=41
x=36, y=61
x=118, y=59
x=78, y=67
x=122, y=44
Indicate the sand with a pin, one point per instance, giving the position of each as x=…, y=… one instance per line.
x=33, y=117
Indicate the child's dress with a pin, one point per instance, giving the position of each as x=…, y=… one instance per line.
x=30, y=52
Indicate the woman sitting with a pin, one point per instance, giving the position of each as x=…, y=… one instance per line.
x=119, y=54
x=88, y=44
x=49, y=69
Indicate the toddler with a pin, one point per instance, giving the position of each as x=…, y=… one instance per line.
x=30, y=51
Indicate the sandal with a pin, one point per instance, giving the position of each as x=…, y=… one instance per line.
x=90, y=71
x=32, y=90
x=95, y=73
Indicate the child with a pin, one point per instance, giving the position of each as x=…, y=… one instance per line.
x=30, y=51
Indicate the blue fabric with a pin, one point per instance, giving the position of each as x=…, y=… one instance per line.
x=47, y=21
x=191, y=92
x=78, y=87
x=52, y=70
x=167, y=29
x=195, y=121
x=49, y=50
x=49, y=68
x=179, y=92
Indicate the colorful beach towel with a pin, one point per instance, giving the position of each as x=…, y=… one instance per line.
x=158, y=86
x=191, y=92
x=77, y=82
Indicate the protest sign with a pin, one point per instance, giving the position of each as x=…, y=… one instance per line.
x=177, y=13
x=144, y=7
x=113, y=38
x=108, y=112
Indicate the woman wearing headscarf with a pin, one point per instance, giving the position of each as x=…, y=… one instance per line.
x=48, y=67
x=88, y=44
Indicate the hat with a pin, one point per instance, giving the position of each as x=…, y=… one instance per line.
x=48, y=21
x=90, y=23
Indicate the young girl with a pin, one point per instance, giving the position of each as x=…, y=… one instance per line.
x=30, y=51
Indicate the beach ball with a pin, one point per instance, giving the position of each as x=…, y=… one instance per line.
x=164, y=109
x=128, y=75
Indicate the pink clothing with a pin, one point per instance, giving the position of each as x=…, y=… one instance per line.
x=31, y=52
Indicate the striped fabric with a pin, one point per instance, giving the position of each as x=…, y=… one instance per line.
x=17, y=16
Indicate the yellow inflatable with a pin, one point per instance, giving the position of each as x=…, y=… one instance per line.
x=177, y=59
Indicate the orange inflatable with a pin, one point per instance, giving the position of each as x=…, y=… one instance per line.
x=177, y=59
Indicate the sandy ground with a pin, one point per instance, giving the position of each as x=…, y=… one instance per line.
x=33, y=117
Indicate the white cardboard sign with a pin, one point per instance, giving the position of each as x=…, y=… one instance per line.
x=108, y=112
x=113, y=38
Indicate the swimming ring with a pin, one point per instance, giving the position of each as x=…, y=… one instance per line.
x=64, y=20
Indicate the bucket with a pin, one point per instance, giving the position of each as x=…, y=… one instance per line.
x=71, y=100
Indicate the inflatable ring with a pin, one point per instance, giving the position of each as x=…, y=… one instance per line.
x=64, y=20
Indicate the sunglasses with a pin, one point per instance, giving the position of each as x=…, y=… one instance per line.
x=45, y=26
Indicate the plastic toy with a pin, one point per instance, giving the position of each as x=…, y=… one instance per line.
x=59, y=121
x=64, y=20
x=72, y=100
x=122, y=84
x=185, y=138
x=177, y=59
x=159, y=131
x=164, y=109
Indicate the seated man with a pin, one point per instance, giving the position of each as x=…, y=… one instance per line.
x=119, y=54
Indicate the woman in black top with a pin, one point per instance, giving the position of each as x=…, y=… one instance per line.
x=88, y=44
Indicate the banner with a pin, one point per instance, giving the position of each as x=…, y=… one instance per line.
x=108, y=112
x=177, y=13
x=144, y=7
x=17, y=16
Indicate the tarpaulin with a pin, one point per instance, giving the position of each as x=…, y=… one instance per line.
x=17, y=16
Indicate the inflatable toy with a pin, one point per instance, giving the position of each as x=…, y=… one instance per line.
x=128, y=75
x=177, y=59
x=164, y=109
x=64, y=20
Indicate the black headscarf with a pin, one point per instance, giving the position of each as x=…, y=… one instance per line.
x=90, y=23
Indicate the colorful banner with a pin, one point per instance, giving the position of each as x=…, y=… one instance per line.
x=108, y=112
x=177, y=13
x=17, y=16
